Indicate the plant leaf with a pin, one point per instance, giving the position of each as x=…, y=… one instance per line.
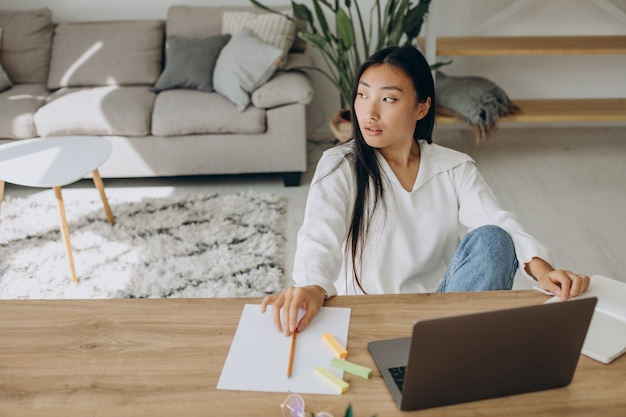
x=414, y=19
x=345, y=30
x=261, y=6
x=318, y=41
x=321, y=19
x=303, y=13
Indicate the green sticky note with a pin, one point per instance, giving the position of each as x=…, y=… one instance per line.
x=352, y=368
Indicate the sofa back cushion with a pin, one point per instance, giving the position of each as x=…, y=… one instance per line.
x=194, y=21
x=5, y=81
x=106, y=53
x=26, y=43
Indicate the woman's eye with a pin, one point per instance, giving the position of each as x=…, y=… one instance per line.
x=389, y=99
x=361, y=95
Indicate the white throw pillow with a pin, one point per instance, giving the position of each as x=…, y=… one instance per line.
x=244, y=64
x=269, y=27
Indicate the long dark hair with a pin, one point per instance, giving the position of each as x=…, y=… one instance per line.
x=369, y=182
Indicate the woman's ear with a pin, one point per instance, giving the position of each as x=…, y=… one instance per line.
x=423, y=108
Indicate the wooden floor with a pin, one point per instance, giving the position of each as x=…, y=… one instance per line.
x=567, y=185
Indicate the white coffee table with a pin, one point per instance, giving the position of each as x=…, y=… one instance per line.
x=55, y=162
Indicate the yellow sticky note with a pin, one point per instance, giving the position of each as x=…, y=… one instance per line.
x=339, y=384
x=339, y=350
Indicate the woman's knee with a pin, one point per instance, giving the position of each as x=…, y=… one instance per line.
x=485, y=260
x=492, y=239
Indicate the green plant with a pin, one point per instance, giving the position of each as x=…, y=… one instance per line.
x=350, y=41
x=350, y=413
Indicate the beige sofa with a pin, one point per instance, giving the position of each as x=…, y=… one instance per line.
x=201, y=105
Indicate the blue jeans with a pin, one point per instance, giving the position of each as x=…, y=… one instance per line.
x=485, y=260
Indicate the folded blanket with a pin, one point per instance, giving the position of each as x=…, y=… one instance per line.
x=475, y=100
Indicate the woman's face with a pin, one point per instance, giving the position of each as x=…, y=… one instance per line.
x=386, y=107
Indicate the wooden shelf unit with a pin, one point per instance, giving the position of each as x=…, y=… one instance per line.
x=531, y=45
x=563, y=110
x=544, y=110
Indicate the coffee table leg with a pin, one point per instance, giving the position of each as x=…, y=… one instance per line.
x=97, y=180
x=65, y=232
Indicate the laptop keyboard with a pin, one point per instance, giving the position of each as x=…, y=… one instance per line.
x=397, y=374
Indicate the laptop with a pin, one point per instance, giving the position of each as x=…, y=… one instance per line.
x=485, y=355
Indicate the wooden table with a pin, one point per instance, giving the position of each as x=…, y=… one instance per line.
x=163, y=357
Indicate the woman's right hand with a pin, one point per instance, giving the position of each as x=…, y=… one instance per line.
x=289, y=302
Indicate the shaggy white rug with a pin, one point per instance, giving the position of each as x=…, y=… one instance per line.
x=183, y=246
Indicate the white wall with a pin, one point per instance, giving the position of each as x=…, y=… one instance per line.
x=521, y=77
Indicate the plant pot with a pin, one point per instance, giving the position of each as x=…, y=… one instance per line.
x=341, y=125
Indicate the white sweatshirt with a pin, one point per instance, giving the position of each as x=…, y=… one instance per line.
x=412, y=236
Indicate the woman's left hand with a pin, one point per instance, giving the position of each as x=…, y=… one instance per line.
x=564, y=284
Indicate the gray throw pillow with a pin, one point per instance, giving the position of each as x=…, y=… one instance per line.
x=190, y=62
x=5, y=81
x=245, y=63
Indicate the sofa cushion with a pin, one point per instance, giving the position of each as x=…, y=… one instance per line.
x=5, y=81
x=190, y=62
x=26, y=43
x=194, y=21
x=283, y=88
x=176, y=113
x=202, y=21
x=244, y=64
x=109, y=110
x=17, y=109
x=271, y=28
x=106, y=53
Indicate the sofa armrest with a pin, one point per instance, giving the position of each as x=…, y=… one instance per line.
x=285, y=87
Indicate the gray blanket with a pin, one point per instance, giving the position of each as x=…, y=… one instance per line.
x=475, y=100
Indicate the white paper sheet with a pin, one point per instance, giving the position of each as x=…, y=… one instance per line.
x=259, y=355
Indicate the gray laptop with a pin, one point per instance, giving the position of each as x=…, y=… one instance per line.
x=486, y=355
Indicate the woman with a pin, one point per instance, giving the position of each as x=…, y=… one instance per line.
x=386, y=211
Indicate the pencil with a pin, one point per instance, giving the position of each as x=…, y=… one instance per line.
x=291, y=352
